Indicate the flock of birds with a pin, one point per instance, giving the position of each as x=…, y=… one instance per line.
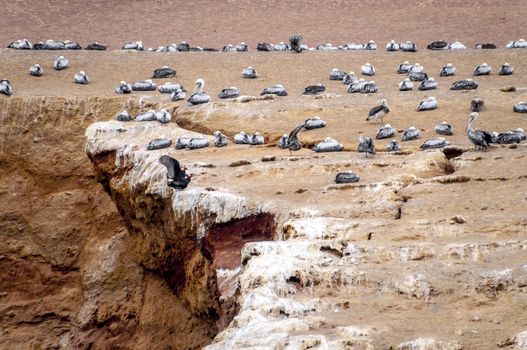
x=178, y=177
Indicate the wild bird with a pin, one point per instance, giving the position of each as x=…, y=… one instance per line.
x=134, y=45
x=412, y=133
x=148, y=116
x=437, y=45
x=506, y=69
x=35, y=70
x=293, y=143
x=477, y=105
x=482, y=69
x=61, y=63
x=123, y=116
x=404, y=68
x=197, y=142
x=314, y=123
x=369, y=87
x=242, y=138
x=408, y=47
x=314, y=89
x=123, y=88
x=230, y=92
x=465, y=84
x=385, y=132
x=346, y=177
x=71, y=45
x=81, y=78
x=379, y=112
x=416, y=68
x=511, y=136
x=264, y=47
x=164, y=72
x=406, y=85
x=199, y=97
x=177, y=177
x=444, y=129
x=447, y=70
x=349, y=78
x=168, y=88
x=392, y=46
x=163, y=116
x=417, y=76
x=249, y=73
x=5, y=87
x=23, y=44
x=282, y=142
x=426, y=105
x=393, y=146
x=144, y=85
x=456, y=45
x=520, y=107
x=336, y=74
x=367, y=69
x=241, y=47
x=428, y=84
x=356, y=86
x=159, y=143
x=178, y=94
x=96, y=46
x=220, y=140
x=366, y=145
x=183, y=46
x=295, y=42
x=277, y=90
x=328, y=145
x=486, y=46
x=480, y=138
x=438, y=142
x=256, y=139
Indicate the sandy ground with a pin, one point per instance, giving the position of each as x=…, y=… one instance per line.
x=217, y=23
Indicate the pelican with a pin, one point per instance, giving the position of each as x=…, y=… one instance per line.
x=123, y=116
x=134, y=45
x=163, y=116
x=336, y=74
x=366, y=145
x=393, y=146
x=249, y=73
x=439, y=142
x=295, y=42
x=369, y=87
x=264, y=47
x=356, y=86
x=328, y=145
x=479, y=138
x=5, y=87
x=282, y=143
x=159, y=144
x=412, y=133
x=197, y=142
x=242, y=138
x=378, y=112
x=71, y=45
x=517, y=44
x=346, y=177
x=428, y=104
x=371, y=45
x=392, y=46
x=466, y=84
x=230, y=92
x=404, y=67
x=486, y=46
x=447, y=70
x=242, y=47
x=520, y=107
x=177, y=176
x=96, y=46
x=444, y=129
x=408, y=47
x=277, y=90
x=314, y=123
x=482, y=69
x=515, y=136
x=199, y=97
x=281, y=46
x=437, y=45
x=385, y=132
x=183, y=47
x=506, y=69
x=456, y=45
x=367, y=69
x=429, y=84
x=149, y=116
x=314, y=89
x=293, y=143
x=406, y=85
x=477, y=105
x=164, y=72
x=220, y=140
x=228, y=48
x=178, y=95
x=123, y=88
x=81, y=78
x=349, y=78
x=144, y=85
x=416, y=68
x=168, y=88
x=417, y=76
x=36, y=70
x=61, y=63
x=23, y=44
x=182, y=142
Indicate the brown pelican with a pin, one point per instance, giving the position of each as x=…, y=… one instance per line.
x=346, y=177
x=506, y=69
x=483, y=69
x=177, y=177
x=406, y=85
x=349, y=78
x=197, y=142
x=144, y=85
x=408, y=47
x=293, y=143
x=61, y=63
x=517, y=44
x=96, y=46
x=367, y=69
x=328, y=145
x=412, y=133
x=36, y=70
x=164, y=72
x=356, y=86
x=417, y=76
x=148, y=116
x=282, y=142
x=295, y=42
x=5, y=87
x=123, y=116
x=385, y=132
x=314, y=123
x=456, y=45
x=242, y=47
x=314, y=89
x=428, y=104
x=428, y=84
x=520, y=107
x=264, y=47
x=242, y=138
x=277, y=90
x=439, y=142
x=256, y=139
x=486, y=46
x=123, y=88
x=137, y=45
x=163, y=116
x=393, y=146
x=168, y=88
x=229, y=92
x=71, y=45
x=23, y=44
x=416, y=68
x=444, y=129
x=477, y=105
x=404, y=68
x=515, y=136
x=81, y=78
x=437, y=45
x=199, y=97
x=479, y=138
x=178, y=94
x=369, y=87
x=392, y=46
x=336, y=74
x=159, y=144
x=366, y=145
x=447, y=70
x=249, y=73
x=378, y=112
x=466, y=84
x=220, y=140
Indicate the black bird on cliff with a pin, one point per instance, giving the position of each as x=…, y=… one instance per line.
x=177, y=177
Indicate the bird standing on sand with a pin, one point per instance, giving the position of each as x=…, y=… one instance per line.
x=366, y=145
x=199, y=97
x=479, y=138
x=378, y=112
x=293, y=143
x=177, y=177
